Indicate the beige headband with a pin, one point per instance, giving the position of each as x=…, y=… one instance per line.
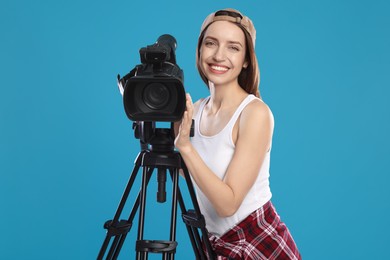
x=233, y=16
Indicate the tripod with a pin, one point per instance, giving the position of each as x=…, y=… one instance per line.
x=159, y=155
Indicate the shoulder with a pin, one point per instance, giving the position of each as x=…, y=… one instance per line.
x=257, y=114
x=257, y=109
x=256, y=126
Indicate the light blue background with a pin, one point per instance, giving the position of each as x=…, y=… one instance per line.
x=67, y=148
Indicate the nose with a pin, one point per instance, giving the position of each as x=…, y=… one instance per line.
x=219, y=54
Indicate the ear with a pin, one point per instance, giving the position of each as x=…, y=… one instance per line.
x=245, y=65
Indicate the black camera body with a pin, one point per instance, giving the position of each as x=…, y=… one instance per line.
x=154, y=91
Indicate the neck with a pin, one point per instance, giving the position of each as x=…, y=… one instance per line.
x=225, y=96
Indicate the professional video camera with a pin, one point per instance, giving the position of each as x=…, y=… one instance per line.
x=153, y=90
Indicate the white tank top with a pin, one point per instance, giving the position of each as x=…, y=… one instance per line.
x=217, y=152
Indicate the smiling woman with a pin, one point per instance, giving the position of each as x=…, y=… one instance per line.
x=249, y=77
x=229, y=156
x=223, y=53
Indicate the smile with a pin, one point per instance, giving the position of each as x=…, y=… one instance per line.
x=219, y=68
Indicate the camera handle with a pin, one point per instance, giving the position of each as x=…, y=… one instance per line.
x=193, y=219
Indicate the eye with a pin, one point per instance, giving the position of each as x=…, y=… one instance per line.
x=209, y=43
x=234, y=48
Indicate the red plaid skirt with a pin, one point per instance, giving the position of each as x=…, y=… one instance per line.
x=259, y=236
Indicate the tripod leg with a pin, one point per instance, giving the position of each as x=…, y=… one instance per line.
x=199, y=217
x=111, y=226
x=175, y=184
x=141, y=222
x=120, y=240
x=193, y=235
x=114, y=248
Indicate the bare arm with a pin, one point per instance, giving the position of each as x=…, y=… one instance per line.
x=253, y=142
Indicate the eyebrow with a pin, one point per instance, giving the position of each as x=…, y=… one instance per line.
x=231, y=42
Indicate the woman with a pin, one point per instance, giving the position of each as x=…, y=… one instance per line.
x=228, y=157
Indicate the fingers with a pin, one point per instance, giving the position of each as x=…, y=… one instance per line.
x=186, y=122
x=184, y=130
x=189, y=105
x=185, y=127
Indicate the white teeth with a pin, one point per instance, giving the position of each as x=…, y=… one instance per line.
x=219, y=68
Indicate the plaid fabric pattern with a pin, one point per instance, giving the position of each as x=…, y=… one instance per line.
x=260, y=236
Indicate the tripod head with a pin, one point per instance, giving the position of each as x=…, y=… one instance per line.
x=160, y=143
x=158, y=140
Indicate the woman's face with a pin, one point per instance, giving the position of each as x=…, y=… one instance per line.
x=222, y=52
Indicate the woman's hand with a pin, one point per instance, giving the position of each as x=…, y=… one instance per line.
x=182, y=141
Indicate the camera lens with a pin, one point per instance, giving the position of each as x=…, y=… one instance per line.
x=156, y=95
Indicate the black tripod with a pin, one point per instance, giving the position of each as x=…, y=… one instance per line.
x=158, y=155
